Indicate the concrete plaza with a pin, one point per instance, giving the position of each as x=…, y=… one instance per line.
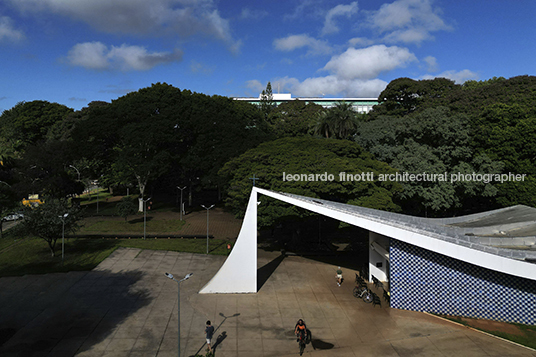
x=127, y=307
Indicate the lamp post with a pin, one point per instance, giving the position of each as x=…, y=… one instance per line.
x=63, y=236
x=170, y=276
x=207, y=221
x=145, y=215
x=180, y=206
x=76, y=171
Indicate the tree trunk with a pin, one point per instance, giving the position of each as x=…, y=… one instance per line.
x=141, y=186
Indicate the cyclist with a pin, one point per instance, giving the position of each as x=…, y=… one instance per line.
x=300, y=329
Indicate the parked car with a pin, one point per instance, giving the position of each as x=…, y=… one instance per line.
x=13, y=217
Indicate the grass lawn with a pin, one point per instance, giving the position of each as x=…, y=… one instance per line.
x=132, y=226
x=32, y=255
x=523, y=334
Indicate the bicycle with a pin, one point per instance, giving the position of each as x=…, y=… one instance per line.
x=301, y=342
x=362, y=292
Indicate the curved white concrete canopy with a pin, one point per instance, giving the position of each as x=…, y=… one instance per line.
x=421, y=232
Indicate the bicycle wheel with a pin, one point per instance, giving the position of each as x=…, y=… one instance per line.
x=356, y=292
x=302, y=347
x=367, y=297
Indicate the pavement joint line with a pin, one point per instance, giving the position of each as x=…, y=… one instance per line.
x=483, y=332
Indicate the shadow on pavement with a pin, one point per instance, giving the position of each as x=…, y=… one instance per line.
x=220, y=337
x=267, y=270
x=66, y=313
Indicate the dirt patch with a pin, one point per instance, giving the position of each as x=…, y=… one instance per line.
x=222, y=224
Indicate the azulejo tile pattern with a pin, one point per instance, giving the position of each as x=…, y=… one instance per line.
x=422, y=280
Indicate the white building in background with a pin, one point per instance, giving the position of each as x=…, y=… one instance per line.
x=360, y=105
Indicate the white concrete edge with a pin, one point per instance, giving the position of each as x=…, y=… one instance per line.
x=238, y=274
x=486, y=260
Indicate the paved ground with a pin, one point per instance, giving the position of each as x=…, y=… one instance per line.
x=127, y=307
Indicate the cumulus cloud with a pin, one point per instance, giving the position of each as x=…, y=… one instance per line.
x=368, y=63
x=330, y=26
x=174, y=17
x=352, y=73
x=431, y=64
x=458, y=77
x=96, y=55
x=255, y=85
x=407, y=21
x=360, y=42
x=8, y=32
x=292, y=42
x=331, y=85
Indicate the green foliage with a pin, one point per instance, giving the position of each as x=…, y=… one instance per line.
x=433, y=141
x=162, y=134
x=404, y=96
x=293, y=118
x=267, y=100
x=339, y=122
x=500, y=124
x=27, y=123
x=127, y=207
x=47, y=221
x=306, y=155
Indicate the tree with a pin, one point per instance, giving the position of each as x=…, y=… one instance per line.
x=309, y=156
x=28, y=123
x=126, y=207
x=339, y=122
x=267, y=100
x=404, y=96
x=142, y=152
x=434, y=141
x=46, y=221
x=293, y=118
x=44, y=170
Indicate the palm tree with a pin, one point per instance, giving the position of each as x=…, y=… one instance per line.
x=339, y=122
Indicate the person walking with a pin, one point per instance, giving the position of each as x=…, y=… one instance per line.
x=209, y=332
x=339, y=276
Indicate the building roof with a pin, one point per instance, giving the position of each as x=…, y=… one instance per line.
x=464, y=238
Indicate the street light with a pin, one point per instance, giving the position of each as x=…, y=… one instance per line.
x=76, y=171
x=207, y=221
x=145, y=215
x=181, y=207
x=170, y=276
x=63, y=236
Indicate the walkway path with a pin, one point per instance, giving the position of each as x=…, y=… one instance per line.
x=127, y=307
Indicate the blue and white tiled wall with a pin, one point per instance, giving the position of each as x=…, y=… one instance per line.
x=422, y=280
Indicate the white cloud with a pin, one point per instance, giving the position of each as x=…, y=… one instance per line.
x=8, y=31
x=181, y=18
x=255, y=85
x=292, y=42
x=96, y=55
x=197, y=67
x=331, y=85
x=330, y=26
x=431, y=63
x=360, y=42
x=407, y=21
x=368, y=63
x=457, y=76
x=352, y=73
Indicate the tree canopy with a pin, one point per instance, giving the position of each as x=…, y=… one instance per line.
x=433, y=141
x=270, y=161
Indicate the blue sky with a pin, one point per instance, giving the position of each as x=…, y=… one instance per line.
x=76, y=51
